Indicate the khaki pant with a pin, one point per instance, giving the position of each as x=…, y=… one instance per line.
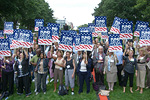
x=58, y=73
x=35, y=78
x=140, y=80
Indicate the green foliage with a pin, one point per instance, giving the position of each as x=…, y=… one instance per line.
x=24, y=12
x=132, y=10
x=84, y=25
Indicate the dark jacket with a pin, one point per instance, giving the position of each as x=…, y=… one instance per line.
x=45, y=64
x=25, y=66
x=88, y=66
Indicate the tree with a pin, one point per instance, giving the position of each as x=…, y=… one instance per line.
x=120, y=8
x=25, y=12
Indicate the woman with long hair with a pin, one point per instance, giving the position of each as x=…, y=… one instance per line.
x=8, y=74
x=83, y=70
x=58, y=71
x=130, y=63
x=22, y=65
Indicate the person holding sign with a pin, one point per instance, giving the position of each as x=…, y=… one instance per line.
x=98, y=61
x=141, y=72
x=148, y=68
x=8, y=74
x=110, y=69
x=42, y=69
x=83, y=70
x=69, y=72
x=58, y=71
x=130, y=62
x=22, y=65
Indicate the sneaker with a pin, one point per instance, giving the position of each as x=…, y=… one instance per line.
x=72, y=93
x=35, y=90
x=57, y=80
x=44, y=92
x=51, y=80
x=33, y=80
x=37, y=93
x=47, y=81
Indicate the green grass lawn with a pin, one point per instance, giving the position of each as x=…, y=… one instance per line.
x=117, y=94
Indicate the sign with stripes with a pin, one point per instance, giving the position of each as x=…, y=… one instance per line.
x=66, y=41
x=144, y=37
x=115, y=43
x=116, y=25
x=38, y=23
x=8, y=28
x=126, y=30
x=92, y=29
x=77, y=42
x=86, y=41
x=1, y=34
x=55, y=31
x=15, y=40
x=84, y=29
x=100, y=24
x=74, y=33
x=140, y=25
x=104, y=35
x=5, y=47
x=10, y=37
x=45, y=36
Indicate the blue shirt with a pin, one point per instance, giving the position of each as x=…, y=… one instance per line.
x=119, y=56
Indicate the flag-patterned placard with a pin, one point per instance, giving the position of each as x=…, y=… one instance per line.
x=5, y=47
x=126, y=30
x=100, y=24
x=115, y=43
x=104, y=35
x=74, y=33
x=10, y=37
x=77, y=42
x=15, y=40
x=116, y=25
x=86, y=41
x=66, y=41
x=140, y=25
x=84, y=29
x=45, y=36
x=8, y=28
x=1, y=34
x=144, y=37
x=38, y=23
x=92, y=29
x=55, y=31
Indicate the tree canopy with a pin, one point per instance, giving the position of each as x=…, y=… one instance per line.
x=132, y=10
x=25, y=12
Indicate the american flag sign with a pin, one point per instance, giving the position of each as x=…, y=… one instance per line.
x=84, y=29
x=126, y=30
x=116, y=25
x=10, y=37
x=38, y=23
x=144, y=37
x=115, y=43
x=66, y=41
x=86, y=41
x=104, y=35
x=45, y=36
x=8, y=28
x=1, y=34
x=55, y=31
x=92, y=29
x=5, y=47
x=100, y=24
x=77, y=42
x=140, y=25
x=15, y=40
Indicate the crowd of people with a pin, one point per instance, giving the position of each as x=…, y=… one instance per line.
x=36, y=63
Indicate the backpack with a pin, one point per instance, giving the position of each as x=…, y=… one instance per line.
x=62, y=90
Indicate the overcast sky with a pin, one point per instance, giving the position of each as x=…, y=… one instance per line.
x=76, y=11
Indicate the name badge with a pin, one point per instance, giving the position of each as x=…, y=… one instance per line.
x=111, y=60
x=20, y=66
x=141, y=57
x=100, y=57
x=68, y=66
x=132, y=59
x=60, y=69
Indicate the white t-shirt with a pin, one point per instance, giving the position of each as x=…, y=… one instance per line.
x=83, y=67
